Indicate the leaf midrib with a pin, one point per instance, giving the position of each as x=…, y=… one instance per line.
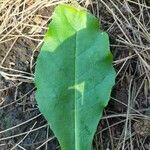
x=75, y=103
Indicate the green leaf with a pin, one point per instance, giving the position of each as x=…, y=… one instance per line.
x=74, y=76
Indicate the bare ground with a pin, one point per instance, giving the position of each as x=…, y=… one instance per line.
x=126, y=121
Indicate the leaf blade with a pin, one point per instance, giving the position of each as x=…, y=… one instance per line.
x=76, y=68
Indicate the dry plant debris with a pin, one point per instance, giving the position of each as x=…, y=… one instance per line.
x=125, y=124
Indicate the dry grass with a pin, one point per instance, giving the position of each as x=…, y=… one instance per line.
x=126, y=121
